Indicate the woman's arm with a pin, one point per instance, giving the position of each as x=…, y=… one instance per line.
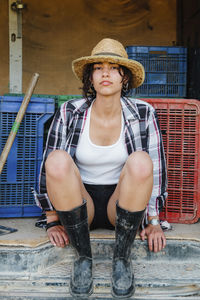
x=155, y=235
x=156, y=152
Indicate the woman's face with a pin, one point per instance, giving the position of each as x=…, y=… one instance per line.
x=106, y=79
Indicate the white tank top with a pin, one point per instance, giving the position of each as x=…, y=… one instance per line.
x=100, y=164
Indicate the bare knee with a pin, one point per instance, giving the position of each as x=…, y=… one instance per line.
x=58, y=164
x=140, y=166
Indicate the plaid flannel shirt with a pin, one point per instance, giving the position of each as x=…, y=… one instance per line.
x=141, y=133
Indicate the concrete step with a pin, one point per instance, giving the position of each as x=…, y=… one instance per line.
x=189, y=292
x=31, y=260
x=32, y=269
x=44, y=272
x=154, y=280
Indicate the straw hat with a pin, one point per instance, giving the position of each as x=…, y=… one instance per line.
x=110, y=50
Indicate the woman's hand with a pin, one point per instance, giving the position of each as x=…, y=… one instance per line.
x=155, y=236
x=58, y=236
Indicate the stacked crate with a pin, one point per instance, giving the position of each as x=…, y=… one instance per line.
x=165, y=71
x=179, y=121
x=21, y=170
x=166, y=78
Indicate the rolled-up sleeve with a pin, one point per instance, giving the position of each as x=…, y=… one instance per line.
x=156, y=152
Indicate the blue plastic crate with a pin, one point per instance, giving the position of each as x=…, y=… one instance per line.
x=165, y=70
x=21, y=170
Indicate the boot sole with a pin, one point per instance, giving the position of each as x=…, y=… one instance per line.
x=81, y=296
x=122, y=296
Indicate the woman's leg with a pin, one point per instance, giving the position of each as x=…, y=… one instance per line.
x=64, y=185
x=135, y=185
x=73, y=206
x=125, y=210
x=65, y=190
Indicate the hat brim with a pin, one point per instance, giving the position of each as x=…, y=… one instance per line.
x=134, y=66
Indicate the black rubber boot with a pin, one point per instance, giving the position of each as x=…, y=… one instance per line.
x=75, y=223
x=127, y=224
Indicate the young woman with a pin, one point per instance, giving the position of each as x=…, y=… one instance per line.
x=104, y=167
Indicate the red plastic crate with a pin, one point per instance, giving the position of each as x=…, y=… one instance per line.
x=180, y=125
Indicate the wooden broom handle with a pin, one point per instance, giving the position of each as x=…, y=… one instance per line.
x=18, y=120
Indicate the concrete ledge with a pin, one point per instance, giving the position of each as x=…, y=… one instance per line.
x=154, y=280
x=31, y=268
x=26, y=260
x=30, y=236
x=27, y=235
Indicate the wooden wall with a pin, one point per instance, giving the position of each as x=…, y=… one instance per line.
x=57, y=31
x=188, y=19
x=4, y=48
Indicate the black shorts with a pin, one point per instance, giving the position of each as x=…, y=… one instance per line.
x=100, y=195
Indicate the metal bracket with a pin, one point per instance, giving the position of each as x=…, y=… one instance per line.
x=6, y=230
x=18, y=6
x=15, y=45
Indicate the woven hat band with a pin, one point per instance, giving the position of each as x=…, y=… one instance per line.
x=108, y=53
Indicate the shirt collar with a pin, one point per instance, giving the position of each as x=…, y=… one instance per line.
x=130, y=108
x=82, y=106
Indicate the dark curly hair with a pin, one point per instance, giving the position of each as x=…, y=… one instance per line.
x=88, y=90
